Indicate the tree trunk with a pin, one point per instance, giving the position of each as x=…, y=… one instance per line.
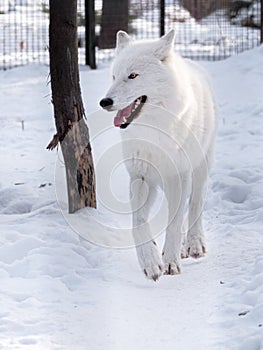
x=72, y=131
x=200, y=9
x=115, y=16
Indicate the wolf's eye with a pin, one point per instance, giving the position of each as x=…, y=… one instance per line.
x=133, y=75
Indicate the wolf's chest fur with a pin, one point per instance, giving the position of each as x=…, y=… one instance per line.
x=152, y=152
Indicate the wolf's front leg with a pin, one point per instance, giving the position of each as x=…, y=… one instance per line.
x=142, y=198
x=196, y=247
x=176, y=194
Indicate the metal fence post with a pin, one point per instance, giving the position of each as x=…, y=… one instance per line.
x=162, y=17
x=90, y=38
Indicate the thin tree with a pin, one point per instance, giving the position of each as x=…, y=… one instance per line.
x=72, y=131
x=115, y=16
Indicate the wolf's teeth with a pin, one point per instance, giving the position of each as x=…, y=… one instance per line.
x=125, y=120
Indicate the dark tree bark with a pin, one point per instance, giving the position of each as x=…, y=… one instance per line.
x=72, y=131
x=200, y=9
x=115, y=16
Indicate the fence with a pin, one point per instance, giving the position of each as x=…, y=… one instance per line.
x=207, y=30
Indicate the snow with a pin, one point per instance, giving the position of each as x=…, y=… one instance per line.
x=59, y=291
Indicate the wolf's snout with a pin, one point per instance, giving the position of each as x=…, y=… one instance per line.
x=106, y=103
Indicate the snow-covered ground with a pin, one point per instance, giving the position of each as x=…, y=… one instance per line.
x=58, y=291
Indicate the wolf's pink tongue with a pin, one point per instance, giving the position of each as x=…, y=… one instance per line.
x=123, y=113
x=117, y=121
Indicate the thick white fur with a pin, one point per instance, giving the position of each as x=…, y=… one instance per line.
x=169, y=145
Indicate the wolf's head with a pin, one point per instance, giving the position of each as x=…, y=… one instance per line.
x=139, y=73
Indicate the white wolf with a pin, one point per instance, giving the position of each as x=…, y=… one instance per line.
x=167, y=114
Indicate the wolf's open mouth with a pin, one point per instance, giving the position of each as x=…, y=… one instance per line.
x=126, y=115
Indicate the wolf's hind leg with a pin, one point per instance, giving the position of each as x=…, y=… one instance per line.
x=176, y=194
x=184, y=248
x=195, y=244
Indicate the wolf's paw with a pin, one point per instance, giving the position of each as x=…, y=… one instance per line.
x=172, y=268
x=171, y=264
x=153, y=272
x=196, y=248
x=150, y=261
x=184, y=251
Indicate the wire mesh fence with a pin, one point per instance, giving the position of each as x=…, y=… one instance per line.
x=225, y=28
x=23, y=32
x=24, y=26
x=207, y=30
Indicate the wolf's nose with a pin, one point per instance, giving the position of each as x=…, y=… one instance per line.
x=106, y=102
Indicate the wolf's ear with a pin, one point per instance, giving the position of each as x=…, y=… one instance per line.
x=122, y=40
x=165, y=45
